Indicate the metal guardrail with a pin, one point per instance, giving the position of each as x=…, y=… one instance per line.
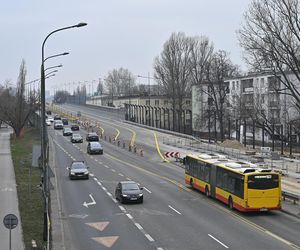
x=291, y=196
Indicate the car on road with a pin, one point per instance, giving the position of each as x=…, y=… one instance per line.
x=57, y=117
x=48, y=123
x=76, y=138
x=50, y=118
x=94, y=147
x=129, y=191
x=78, y=170
x=67, y=132
x=78, y=114
x=74, y=127
x=58, y=124
x=65, y=121
x=92, y=136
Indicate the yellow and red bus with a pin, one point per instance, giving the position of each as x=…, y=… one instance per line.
x=241, y=185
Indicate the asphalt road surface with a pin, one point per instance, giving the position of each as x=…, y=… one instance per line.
x=172, y=215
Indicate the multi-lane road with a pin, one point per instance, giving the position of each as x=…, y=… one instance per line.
x=172, y=215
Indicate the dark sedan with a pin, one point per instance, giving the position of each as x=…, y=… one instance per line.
x=92, y=136
x=78, y=170
x=94, y=147
x=76, y=138
x=129, y=191
x=74, y=127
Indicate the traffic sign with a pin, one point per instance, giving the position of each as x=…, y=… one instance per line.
x=172, y=154
x=10, y=221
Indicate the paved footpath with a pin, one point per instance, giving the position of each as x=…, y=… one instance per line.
x=8, y=194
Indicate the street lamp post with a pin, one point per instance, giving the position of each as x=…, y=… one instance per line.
x=44, y=134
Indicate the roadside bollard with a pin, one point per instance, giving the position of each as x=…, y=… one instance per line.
x=123, y=144
x=109, y=139
x=129, y=147
x=105, y=137
x=142, y=152
x=118, y=143
x=134, y=148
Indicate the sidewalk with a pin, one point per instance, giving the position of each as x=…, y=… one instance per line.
x=8, y=194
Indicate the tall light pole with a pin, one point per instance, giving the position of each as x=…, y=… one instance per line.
x=44, y=134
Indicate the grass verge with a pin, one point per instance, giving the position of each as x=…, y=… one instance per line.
x=30, y=195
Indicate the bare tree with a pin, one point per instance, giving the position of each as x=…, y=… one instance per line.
x=270, y=37
x=100, y=87
x=219, y=67
x=120, y=82
x=172, y=71
x=14, y=109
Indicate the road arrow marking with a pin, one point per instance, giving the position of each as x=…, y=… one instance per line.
x=98, y=225
x=106, y=241
x=90, y=203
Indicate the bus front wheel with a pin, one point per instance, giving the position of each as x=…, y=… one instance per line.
x=230, y=203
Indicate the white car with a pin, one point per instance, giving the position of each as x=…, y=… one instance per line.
x=48, y=122
x=50, y=118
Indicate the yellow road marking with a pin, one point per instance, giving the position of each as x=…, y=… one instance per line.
x=118, y=133
x=158, y=149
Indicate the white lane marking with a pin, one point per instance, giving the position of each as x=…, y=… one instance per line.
x=121, y=174
x=106, y=166
x=92, y=157
x=148, y=190
x=95, y=178
x=138, y=226
x=160, y=248
x=100, y=162
x=149, y=237
x=174, y=209
x=87, y=204
x=218, y=241
x=115, y=201
x=91, y=174
x=104, y=188
x=128, y=179
x=129, y=216
x=113, y=170
x=99, y=183
x=122, y=208
x=109, y=194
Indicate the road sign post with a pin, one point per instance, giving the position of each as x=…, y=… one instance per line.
x=10, y=221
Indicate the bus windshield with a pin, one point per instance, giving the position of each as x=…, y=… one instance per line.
x=260, y=181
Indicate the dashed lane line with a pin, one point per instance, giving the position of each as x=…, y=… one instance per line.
x=221, y=243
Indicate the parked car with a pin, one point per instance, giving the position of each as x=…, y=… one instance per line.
x=76, y=138
x=92, y=136
x=58, y=124
x=48, y=112
x=74, y=127
x=94, y=147
x=129, y=191
x=48, y=123
x=78, y=170
x=67, y=132
x=65, y=121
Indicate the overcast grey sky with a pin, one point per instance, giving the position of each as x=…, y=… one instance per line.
x=120, y=33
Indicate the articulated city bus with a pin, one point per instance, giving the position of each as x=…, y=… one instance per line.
x=241, y=185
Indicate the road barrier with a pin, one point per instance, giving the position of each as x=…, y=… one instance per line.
x=291, y=196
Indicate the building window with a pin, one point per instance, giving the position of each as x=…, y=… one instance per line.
x=156, y=102
x=147, y=102
x=165, y=102
x=188, y=102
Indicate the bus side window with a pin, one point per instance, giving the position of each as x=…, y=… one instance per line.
x=184, y=160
